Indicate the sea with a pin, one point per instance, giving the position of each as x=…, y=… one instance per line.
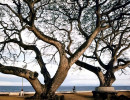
x=60, y=89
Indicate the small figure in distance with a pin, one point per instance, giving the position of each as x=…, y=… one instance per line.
x=74, y=89
x=22, y=92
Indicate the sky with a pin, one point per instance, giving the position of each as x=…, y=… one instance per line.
x=75, y=77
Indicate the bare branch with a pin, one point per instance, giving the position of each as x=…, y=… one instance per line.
x=121, y=66
x=38, y=56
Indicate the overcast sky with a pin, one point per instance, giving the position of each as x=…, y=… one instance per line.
x=75, y=77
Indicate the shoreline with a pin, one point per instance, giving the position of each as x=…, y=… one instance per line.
x=68, y=95
x=57, y=92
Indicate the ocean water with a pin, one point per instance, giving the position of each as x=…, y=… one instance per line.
x=60, y=89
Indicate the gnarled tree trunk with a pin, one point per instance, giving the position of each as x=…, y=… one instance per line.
x=107, y=79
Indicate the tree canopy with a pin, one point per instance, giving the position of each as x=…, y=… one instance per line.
x=109, y=51
x=49, y=31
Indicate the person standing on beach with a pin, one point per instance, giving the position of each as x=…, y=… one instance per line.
x=22, y=92
x=74, y=89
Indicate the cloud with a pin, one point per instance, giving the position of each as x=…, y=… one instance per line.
x=80, y=82
x=74, y=77
x=7, y=83
x=6, y=1
x=122, y=82
x=11, y=80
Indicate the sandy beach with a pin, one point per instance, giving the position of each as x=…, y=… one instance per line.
x=67, y=96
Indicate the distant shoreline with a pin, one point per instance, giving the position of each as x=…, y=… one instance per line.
x=60, y=89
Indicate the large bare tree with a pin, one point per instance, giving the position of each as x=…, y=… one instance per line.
x=66, y=27
x=109, y=51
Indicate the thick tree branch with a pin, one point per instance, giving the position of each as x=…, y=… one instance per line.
x=70, y=39
x=96, y=70
x=83, y=47
x=18, y=72
x=27, y=74
x=98, y=23
x=48, y=39
x=88, y=66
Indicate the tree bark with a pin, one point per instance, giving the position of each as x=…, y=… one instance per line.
x=101, y=78
x=60, y=74
x=38, y=87
x=109, y=78
x=57, y=80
